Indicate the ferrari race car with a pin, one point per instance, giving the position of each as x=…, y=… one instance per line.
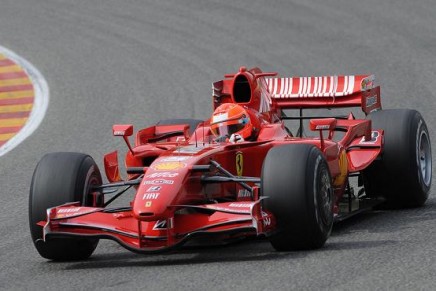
x=192, y=181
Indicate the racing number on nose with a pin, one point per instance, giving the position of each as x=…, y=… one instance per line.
x=239, y=163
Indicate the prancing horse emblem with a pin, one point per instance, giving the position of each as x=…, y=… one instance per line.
x=239, y=163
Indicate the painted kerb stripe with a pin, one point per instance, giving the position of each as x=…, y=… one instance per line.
x=24, y=98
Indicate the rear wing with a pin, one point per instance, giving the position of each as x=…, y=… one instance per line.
x=331, y=91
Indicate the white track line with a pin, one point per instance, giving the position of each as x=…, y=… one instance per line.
x=40, y=103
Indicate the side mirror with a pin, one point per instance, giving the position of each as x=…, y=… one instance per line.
x=323, y=124
x=124, y=130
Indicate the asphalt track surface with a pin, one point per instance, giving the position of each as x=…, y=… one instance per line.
x=138, y=61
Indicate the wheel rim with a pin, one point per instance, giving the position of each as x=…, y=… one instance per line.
x=424, y=158
x=90, y=196
x=325, y=201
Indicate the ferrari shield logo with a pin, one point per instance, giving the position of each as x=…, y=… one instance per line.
x=239, y=163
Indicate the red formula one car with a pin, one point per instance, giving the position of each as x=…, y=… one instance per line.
x=241, y=173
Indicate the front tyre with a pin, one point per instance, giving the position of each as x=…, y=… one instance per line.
x=297, y=182
x=60, y=178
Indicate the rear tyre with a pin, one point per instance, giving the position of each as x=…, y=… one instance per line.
x=193, y=123
x=297, y=182
x=60, y=178
x=404, y=172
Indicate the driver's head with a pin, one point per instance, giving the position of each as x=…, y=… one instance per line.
x=231, y=118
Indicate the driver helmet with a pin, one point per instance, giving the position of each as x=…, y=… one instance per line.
x=230, y=119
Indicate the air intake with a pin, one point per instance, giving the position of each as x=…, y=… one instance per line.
x=146, y=214
x=241, y=89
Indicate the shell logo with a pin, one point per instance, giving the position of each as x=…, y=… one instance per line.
x=169, y=166
x=343, y=169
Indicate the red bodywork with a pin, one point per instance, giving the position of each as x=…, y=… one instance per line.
x=175, y=202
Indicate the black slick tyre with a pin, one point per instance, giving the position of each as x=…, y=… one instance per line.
x=297, y=182
x=60, y=178
x=403, y=173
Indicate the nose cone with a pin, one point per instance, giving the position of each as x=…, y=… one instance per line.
x=159, y=189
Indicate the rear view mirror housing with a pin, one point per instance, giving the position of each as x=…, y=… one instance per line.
x=124, y=130
x=323, y=124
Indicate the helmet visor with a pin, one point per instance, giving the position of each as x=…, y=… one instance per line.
x=227, y=130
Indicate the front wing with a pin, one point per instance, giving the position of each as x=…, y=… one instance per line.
x=221, y=220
